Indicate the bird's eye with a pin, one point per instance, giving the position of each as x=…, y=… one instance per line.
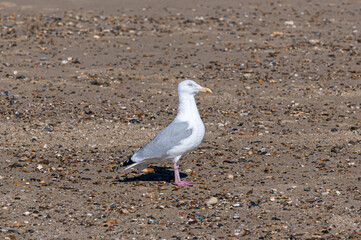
x=190, y=84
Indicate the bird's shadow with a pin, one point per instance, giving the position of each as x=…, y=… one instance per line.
x=159, y=174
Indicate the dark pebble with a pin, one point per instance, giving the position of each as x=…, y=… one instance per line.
x=4, y=93
x=334, y=130
x=262, y=151
x=134, y=120
x=198, y=217
x=231, y=161
x=307, y=189
x=253, y=204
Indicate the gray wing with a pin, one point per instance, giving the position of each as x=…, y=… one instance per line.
x=164, y=141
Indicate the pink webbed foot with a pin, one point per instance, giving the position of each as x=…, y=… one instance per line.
x=183, y=183
x=177, y=180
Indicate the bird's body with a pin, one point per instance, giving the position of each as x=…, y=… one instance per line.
x=183, y=135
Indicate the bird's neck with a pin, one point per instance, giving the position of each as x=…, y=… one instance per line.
x=187, y=108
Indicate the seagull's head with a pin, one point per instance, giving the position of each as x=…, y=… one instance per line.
x=191, y=87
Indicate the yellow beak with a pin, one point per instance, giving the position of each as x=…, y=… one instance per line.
x=204, y=89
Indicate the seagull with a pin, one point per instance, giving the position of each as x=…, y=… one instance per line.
x=181, y=136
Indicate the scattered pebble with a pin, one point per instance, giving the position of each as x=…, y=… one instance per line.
x=27, y=213
x=212, y=201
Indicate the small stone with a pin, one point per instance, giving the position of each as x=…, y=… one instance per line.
x=4, y=93
x=212, y=201
x=289, y=23
x=64, y=62
x=253, y=204
x=247, y=75
x=314, y=41
x=151, y=195
x=236, y=216
x=27, y=213
x=16, y=224
x=44, y=59
x=125, y=211
x=198, y=217
x=261, y=151
x=230, y=176
x=334, y=130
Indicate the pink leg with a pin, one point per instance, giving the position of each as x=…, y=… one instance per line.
x=177, y=180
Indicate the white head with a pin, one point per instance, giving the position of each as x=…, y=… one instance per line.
x=191, y=87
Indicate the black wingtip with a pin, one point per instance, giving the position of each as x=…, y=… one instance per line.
x=128, y=162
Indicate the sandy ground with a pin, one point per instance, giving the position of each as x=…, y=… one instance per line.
x=84, y=85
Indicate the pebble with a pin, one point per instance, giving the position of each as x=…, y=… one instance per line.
x=212, y=201
x=44, y=59
x=253, y=204
x=262, y=151
x=27, y=213
x=4, y=93
x=289, y=23
x=125, y=211
x=198, y=217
